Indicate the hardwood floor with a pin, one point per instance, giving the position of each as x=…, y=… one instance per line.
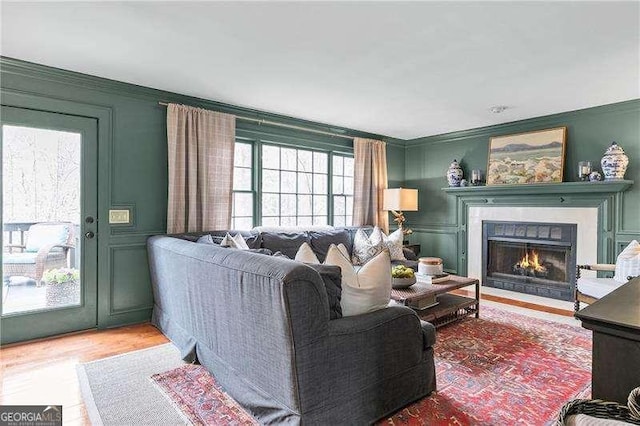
x=44, y=371
x=518, y=303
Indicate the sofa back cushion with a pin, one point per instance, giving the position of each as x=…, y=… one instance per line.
x=320, y=241
x=287, y=243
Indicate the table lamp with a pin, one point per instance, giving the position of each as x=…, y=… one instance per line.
x=397, y=200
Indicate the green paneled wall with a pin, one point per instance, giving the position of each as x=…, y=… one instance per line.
x=589, y=133
x=133, y=166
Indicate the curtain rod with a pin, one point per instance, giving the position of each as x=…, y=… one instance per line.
x=288, y=126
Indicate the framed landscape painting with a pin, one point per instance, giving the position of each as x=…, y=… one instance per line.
x=532, y=157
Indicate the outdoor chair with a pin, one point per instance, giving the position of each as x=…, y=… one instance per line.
x=47, y=247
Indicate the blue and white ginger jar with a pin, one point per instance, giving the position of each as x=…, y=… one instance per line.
x=454, y=174
x=614, y=163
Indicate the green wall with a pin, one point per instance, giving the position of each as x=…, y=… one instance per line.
x=133, y=165
x=589, y=132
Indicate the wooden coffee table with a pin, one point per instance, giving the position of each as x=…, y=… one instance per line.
x=434, y=304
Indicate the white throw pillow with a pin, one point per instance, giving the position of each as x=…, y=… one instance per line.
x=343, y=250
x=393, y=242
x=236, y=242
x=366, y=290
x=366, y=247
x=628, y=262
x=305, y=254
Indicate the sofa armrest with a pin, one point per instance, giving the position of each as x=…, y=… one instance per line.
x=370, y=321
x=393, y=334
x=360, y=352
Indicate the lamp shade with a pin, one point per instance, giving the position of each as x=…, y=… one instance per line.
x=401, y=199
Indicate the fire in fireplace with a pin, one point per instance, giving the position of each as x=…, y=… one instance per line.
x=533, y=258
x=531, y=266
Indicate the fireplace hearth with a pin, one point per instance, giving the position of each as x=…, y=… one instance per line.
x=532, y=258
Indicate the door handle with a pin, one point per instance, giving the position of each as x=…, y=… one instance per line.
x=89, y=235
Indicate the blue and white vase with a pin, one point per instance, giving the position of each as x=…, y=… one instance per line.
x=614, y=163
x=454, y=174
x=595, y=176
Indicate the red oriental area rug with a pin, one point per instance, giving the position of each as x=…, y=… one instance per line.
x=501, y=369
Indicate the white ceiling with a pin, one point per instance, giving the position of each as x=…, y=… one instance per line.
x=398, y=69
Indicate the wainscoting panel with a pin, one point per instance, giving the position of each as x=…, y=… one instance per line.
x=128, y=263
x=441, y=243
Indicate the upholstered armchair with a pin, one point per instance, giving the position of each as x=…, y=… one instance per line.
x=590, y=289
x=47, y=247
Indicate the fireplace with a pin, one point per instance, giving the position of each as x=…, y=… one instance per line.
x=528, y=257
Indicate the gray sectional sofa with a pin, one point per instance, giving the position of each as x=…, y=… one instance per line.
x=262, y=325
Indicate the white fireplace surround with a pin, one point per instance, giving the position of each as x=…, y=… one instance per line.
x=586, y=219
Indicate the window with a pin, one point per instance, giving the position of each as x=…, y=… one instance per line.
x=242, y=212
x=342, y=190
x=294, y=186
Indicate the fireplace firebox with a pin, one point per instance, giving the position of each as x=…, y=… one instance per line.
x=532, y=258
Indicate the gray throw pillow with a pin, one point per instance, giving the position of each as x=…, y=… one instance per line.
x=332, y=279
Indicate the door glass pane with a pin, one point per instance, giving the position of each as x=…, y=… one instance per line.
x=41, y=174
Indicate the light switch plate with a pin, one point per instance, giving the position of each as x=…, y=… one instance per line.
x=119, y=216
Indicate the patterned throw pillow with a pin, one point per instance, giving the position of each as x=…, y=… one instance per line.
x=628, y=262
x=236, y=242
x=393, y=242
x=366, y=247
x=367, y=289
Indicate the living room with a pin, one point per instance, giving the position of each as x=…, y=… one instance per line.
x=436, y=82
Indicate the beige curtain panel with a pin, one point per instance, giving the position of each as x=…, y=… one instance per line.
x=201, y=147
x=369, y=183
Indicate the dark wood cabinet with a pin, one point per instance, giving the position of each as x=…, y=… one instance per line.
x=615, y=322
